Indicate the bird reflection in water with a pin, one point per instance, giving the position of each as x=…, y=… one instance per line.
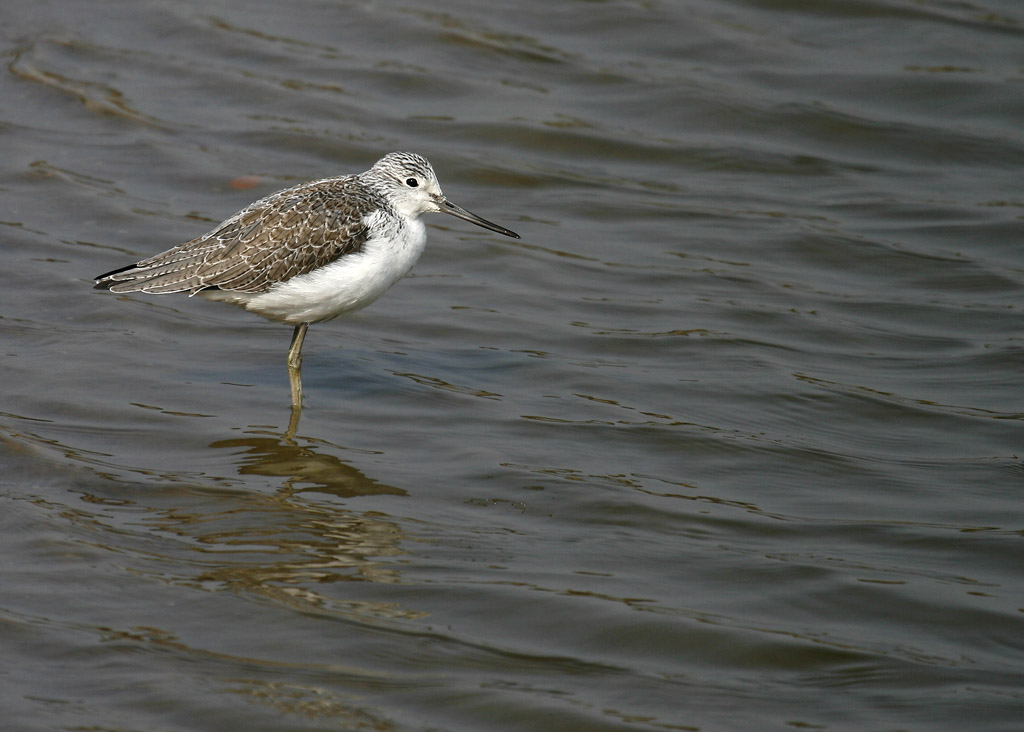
x=286, y=546
x=281, y=456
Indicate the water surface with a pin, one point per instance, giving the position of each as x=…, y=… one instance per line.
x=730, y=440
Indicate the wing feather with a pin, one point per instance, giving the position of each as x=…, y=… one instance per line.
x=289, y=233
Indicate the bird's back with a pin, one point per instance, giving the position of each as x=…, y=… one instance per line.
x=286, y=234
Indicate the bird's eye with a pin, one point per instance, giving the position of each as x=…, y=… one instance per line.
x=411, y=182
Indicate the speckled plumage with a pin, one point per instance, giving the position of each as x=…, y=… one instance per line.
x=307, y=253
x=288, y=233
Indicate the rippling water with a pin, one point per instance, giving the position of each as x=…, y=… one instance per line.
x=731, y=440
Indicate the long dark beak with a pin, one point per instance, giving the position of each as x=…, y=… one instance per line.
x=450, y=208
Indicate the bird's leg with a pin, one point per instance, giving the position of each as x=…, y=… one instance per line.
x=295, y=364
x=293, y=425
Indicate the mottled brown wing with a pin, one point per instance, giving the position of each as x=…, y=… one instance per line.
x=288, y=233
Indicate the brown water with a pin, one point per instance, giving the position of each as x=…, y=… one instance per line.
x=731, y=440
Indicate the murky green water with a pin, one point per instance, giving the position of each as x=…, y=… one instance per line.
x=730, y=440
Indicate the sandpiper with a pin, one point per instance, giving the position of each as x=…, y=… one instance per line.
x=308, y=253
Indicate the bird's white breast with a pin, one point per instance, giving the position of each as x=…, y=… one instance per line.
x=349, y=283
